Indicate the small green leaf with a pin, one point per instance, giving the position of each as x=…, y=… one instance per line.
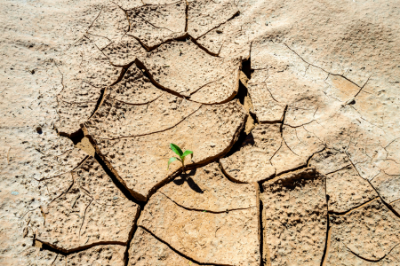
x=175, y=148
x=186, y=153
x=171, y=160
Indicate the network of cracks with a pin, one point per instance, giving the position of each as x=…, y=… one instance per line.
x=281, y=171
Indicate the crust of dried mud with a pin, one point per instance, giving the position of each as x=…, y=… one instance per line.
x=290, y=108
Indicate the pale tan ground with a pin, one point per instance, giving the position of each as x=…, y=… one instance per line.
x=291, y=108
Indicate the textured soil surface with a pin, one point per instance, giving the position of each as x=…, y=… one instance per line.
x=291, y=109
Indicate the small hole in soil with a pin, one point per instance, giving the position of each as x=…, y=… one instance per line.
x=39, y=130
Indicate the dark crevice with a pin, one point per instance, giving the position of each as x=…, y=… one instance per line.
x=202, y=210
x=117, y=183
x=246, y=68
x=327, y=238
x=131, y=236
x=241, y=96
x=262, y=262
x=49, y=247
x=75, y=137
x=354, y=208
x=178, y=252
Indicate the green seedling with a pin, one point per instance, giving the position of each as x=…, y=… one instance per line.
x=175, y=148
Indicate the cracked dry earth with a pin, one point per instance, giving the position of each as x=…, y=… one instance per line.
x=290, y=107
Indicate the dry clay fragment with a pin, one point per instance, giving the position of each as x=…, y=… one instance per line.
x=155, y=24
x=370, y=231
x=111, y=23
x=347, y=190
x=145, y=250
x=205, y=15
x=92, y=211
x=86, y=71
x=294, y=218
x=264, y=153
x=57, y=154
x=252, y=162
x=124, y=51
x=329, y=161
x=387, y=186
x=135, y=88
x=268, y=110
x=283, y=76
x=229, y=238
x=344, y=186
x=340, y=255
x=140, y=163
x=115, y=119
x=184, y=68
x=207, y=189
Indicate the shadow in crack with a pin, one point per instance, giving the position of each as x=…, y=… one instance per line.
x=187, y=178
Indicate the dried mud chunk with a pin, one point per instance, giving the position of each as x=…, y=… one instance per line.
x=89, y=212
x=301, y=141
x=214, y=39
x=99, y=255
x=370, y=231
x=387, y=186
x=84, y=77
x=347, y=190
x=155, y=24
x=294, y=218
x=124, y=51
x=110, y=23
x=340, y=255
x=147, y=250
x=135, y=88
x=329, y=160
x=72, y=115
x=208, y=237
x=252, y=162
x=86, y=63
x=205, y=15
x=57, y=154
x=115, y=119
x=207, y=189
x=140, y=163
x=266, y=107
x=186, y=69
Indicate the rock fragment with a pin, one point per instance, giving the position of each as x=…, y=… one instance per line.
x=294, y=218
x=140, y=163
x=209, y=237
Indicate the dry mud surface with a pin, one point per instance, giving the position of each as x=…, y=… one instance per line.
x=291, y=108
